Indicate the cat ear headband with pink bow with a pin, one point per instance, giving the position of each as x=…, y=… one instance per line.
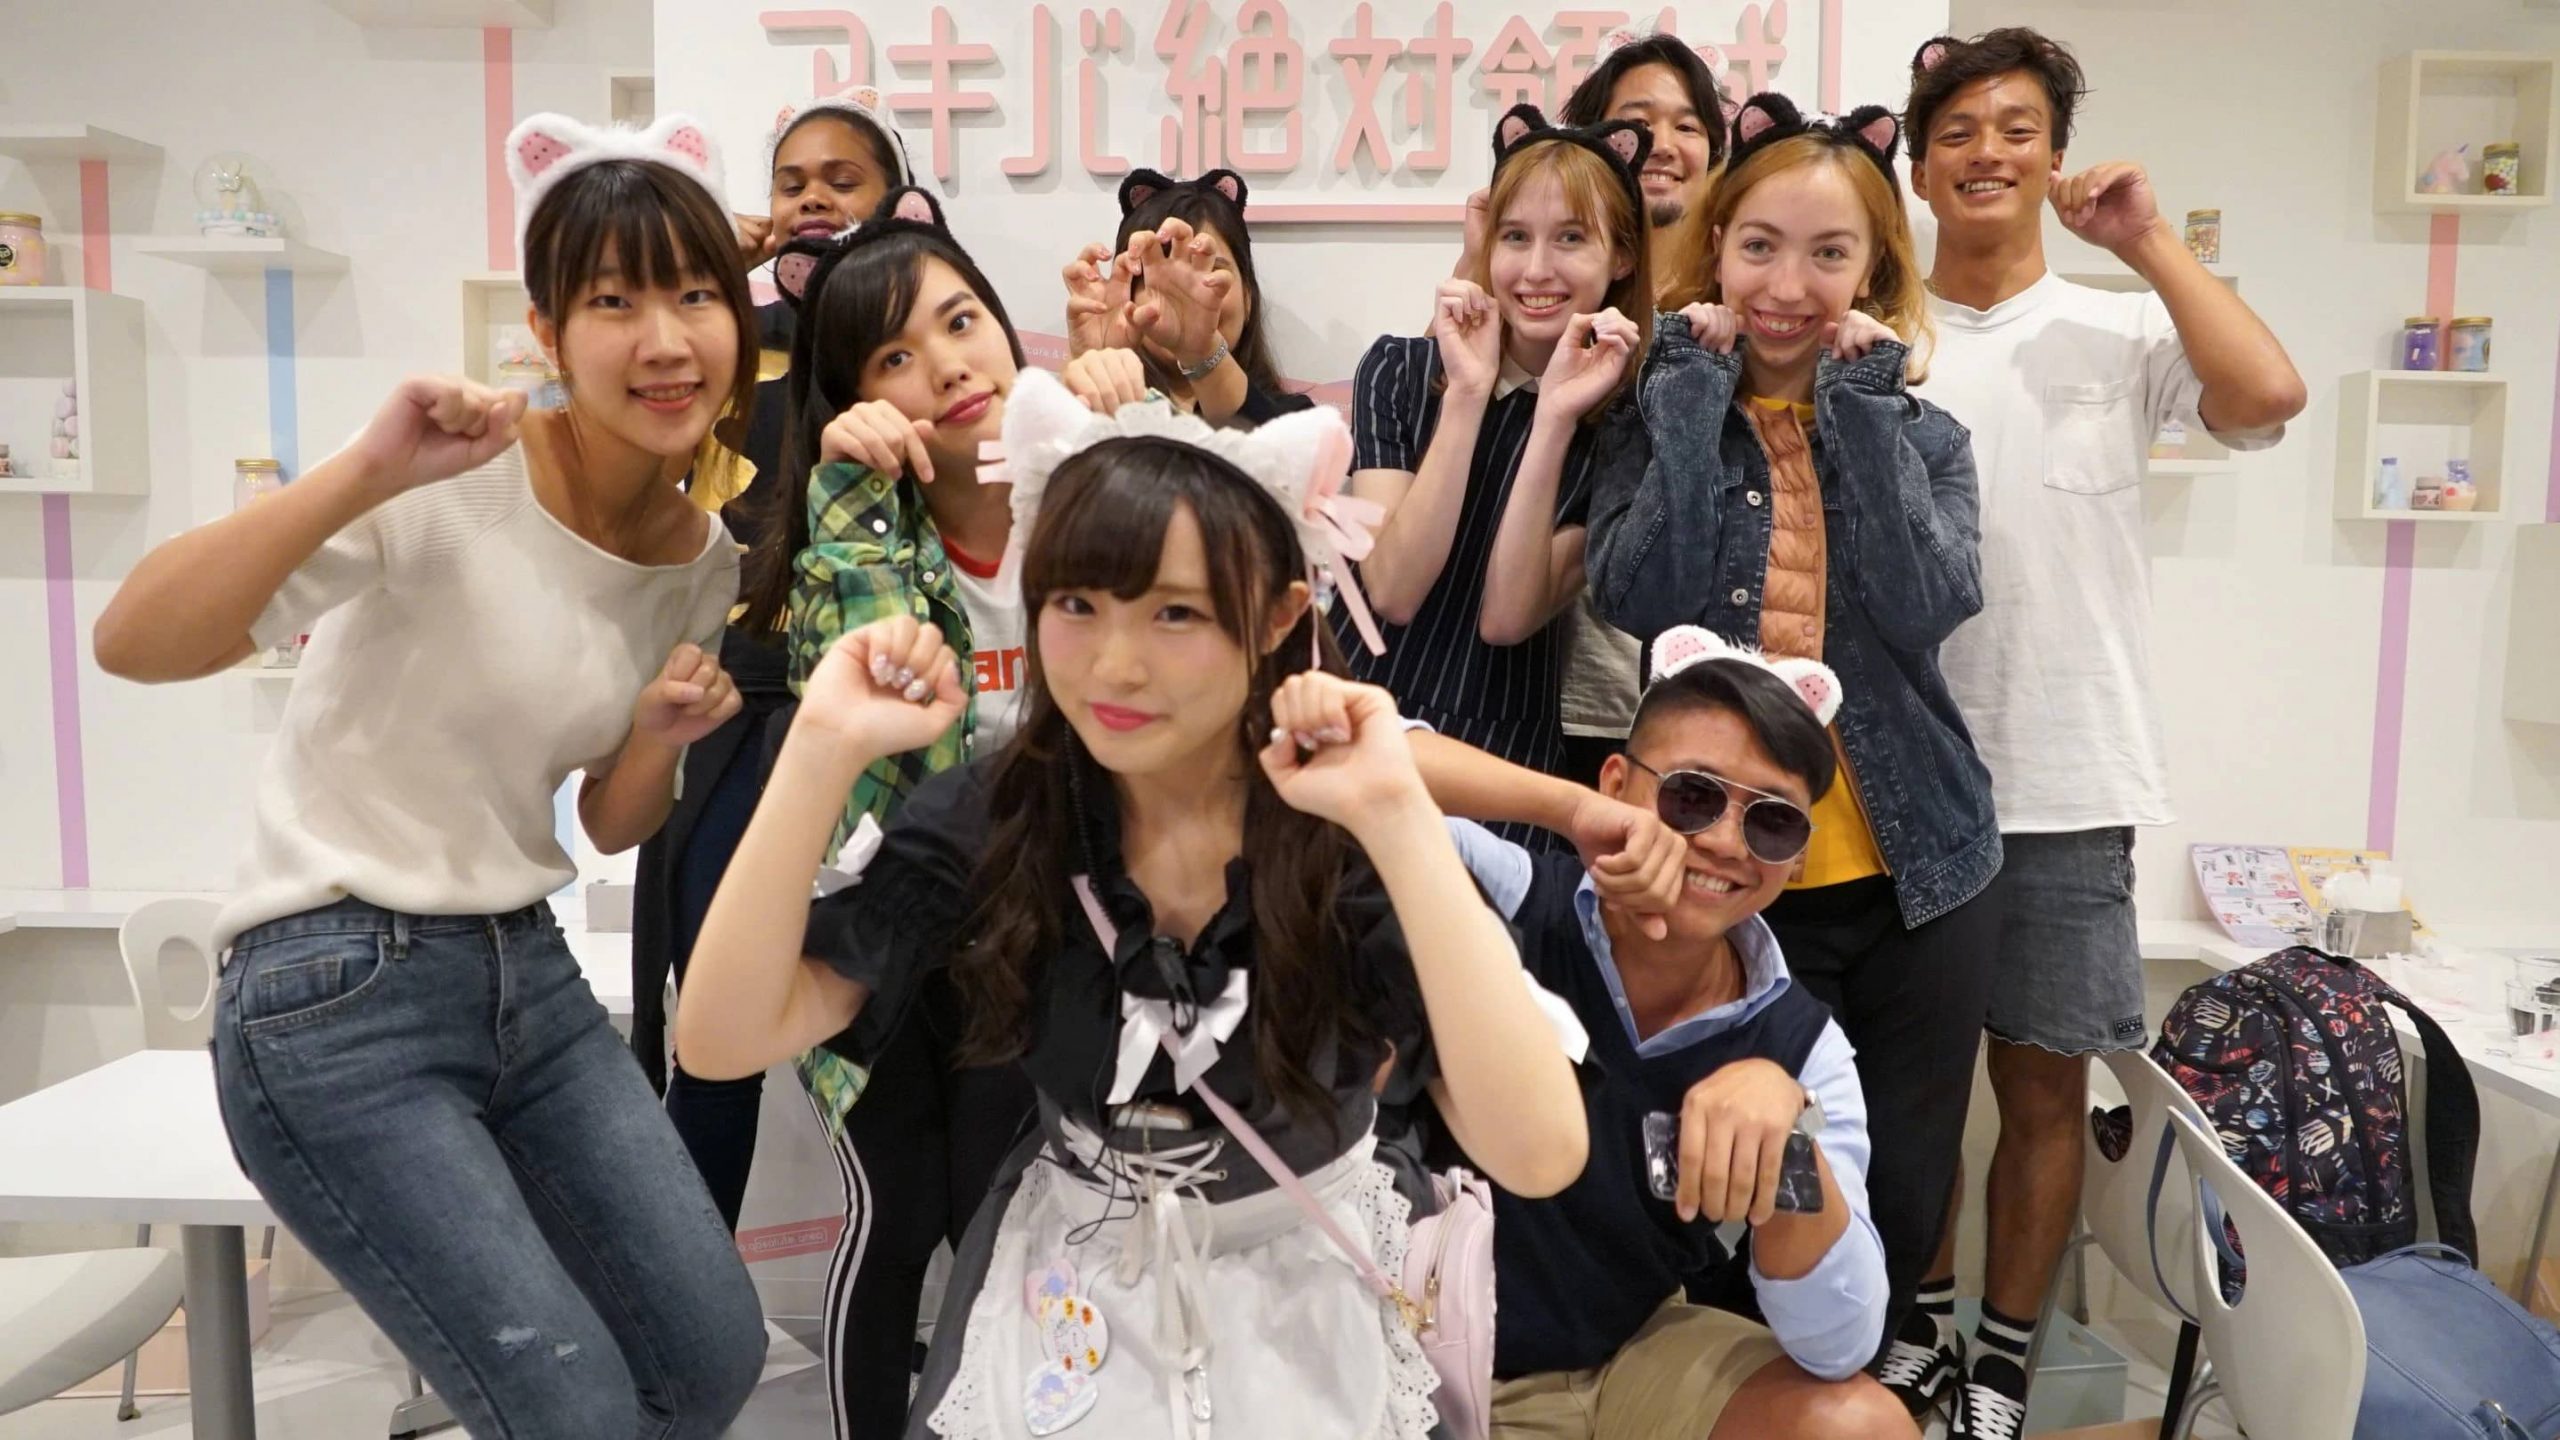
x=1301, y=460
x=546, y=149
x=864, y=106
x=1682, y=646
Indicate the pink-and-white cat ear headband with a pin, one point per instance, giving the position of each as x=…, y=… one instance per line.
x=1682, y=646
x=864, y=105
x=544, y=150
x=1302, y=460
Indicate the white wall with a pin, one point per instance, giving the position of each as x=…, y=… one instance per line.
x=2267, y=613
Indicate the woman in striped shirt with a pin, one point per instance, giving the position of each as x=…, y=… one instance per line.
x=1521, y=358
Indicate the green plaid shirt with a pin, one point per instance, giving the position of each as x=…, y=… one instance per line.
x=873, y=553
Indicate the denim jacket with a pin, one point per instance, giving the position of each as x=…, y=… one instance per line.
x=1683, y=539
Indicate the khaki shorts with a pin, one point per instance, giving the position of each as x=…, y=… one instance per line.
x=1668, y=1383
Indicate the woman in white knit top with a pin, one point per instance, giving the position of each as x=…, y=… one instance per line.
x=410, y=1066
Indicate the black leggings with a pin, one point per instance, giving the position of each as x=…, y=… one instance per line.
x=716, y=1119
x=920, y=1150
x=1911, y=1002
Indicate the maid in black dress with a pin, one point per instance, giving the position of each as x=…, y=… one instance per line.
x=1291, y=929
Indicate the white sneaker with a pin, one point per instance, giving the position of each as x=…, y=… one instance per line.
x=1983, y=1413
x=1921, y=1375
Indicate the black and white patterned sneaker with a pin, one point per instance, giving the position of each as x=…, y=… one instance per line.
x=1984, y=1413
x=1921, y=1376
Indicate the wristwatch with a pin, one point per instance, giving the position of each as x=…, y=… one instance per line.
x=1192, y=374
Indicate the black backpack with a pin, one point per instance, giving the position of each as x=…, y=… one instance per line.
x=2294, y=1061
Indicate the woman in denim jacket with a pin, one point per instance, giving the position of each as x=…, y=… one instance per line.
x=1826, y=512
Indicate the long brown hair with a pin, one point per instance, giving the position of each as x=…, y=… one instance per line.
x=1599, y=199
x=1896, y=293
x=1101, y=528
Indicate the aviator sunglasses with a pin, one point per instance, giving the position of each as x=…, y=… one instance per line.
x=1774, y=829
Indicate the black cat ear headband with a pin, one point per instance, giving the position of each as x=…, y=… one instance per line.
x=1624, y=144
x=800, y=267
x=1769, y=117
x=1142, y=186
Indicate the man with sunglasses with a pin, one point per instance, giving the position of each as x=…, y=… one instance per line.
x=1705, y=1059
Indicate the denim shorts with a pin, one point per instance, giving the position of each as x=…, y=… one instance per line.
x=2068, y=977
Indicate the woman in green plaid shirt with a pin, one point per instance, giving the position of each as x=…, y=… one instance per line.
x=901, y=360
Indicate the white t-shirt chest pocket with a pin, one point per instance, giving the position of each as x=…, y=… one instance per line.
x=2093, y=440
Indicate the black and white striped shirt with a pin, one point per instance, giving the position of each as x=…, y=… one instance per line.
x=1498, y=698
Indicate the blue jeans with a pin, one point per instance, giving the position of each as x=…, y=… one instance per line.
x=438, y=1109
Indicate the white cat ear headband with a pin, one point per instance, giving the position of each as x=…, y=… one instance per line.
x=1302, y=460
x=546, y=149
x=862, y=103
x=1682, y=646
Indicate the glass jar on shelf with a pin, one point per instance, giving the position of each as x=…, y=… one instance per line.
x=2420, y=336
x=252, y=477
x=21, y=248
x=2467, y=346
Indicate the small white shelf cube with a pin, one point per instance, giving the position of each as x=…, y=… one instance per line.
x=631, y=99
x=2533, y=627
x=490, y=303
x=2434, y=100
x=447, y=14
x=242, y=254
x=53, y=333
x=32, y=143
x=2423, y=418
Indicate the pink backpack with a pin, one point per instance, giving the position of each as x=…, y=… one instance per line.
x=1446, y=1294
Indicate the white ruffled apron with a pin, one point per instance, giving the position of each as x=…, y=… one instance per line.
x=1232, y=1321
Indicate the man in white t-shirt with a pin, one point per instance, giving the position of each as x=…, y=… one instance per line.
x=2064, y=388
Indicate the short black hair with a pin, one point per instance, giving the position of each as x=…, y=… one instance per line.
x=1589, y=103
x=1786, y=726
x=2013, y=49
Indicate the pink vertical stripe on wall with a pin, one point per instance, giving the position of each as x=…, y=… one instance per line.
x=62, y=637
x=498, y=116
x=96, y=265
x=2551, y=501
x=61, y=601
x=2399, y=558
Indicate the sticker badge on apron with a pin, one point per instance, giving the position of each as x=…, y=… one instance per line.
x=1056, y=1398
x=1073, y=1333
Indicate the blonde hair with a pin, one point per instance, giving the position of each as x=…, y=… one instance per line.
x=1596, y=196
x=1895, y=292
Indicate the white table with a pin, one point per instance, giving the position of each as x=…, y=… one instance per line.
x=139, y=1141
x=80, y=909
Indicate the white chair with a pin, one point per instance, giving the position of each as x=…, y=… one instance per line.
x=64, y=1318
x=186, y=924
x=2115, y=1205
x=183, y=924
x=2289, y=1358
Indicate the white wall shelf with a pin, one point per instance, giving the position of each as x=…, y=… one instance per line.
x=53, y=333
x=2423, y=418
x=2533, y=627
x=631, y=99
x=2434, y=100
x=238, y=254
x=32, y=143
x=447, y=14
x=489, y=302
